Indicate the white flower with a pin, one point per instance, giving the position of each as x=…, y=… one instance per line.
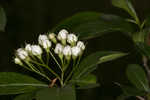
x=62, y=35
x=44, y=42
x=17, y=61
x=58, y=48
x=36, y=50
x=72, y=38
x=67, y=50
x=81, y=45
x=28, y=48
x=76, y=51
x=22, y=54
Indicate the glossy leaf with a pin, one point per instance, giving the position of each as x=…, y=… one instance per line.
x=89, y=81
x=66, y=93
x=92, y=24
x=2, y=19
x=89, y=63
x=15, y=83
x=137, y=77
x=26, y=96
x=127, y=6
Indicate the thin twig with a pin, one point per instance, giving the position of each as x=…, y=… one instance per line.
x=145, y=60
x=140, y=98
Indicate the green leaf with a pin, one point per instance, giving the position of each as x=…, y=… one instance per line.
x=89, y=81
x=132, y=91
x=66, y=93
x=127, y=6
x=26, y=96
x=137, y=77
x=15, y=83
x=89, y=63
x=141, y=42
x=2, y=19
x=93, y=24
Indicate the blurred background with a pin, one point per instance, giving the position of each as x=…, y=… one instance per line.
x=26, y=19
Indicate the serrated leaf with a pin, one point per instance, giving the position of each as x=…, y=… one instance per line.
x=66, y=93
x=127, y=6
x=137, y=77
x=15, y=83
x=2, y=19
x=89, y=63
x=93, y=24
x=26, y=96
x=89, y=81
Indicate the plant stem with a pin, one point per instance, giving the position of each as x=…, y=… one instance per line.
x=37, y=71
x=146, y=67
x=55, y=60
x=47, y=68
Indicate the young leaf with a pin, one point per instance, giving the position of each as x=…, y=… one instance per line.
x=86, y=82
x=15, y=83
x=2, y=19
x=66, y=93
x=137, y=77
x=89, y=63
x=92, y=24
x=127, y=6
x=26, y=96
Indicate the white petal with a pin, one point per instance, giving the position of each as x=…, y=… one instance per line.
x=22, y=54
x=76, y=51
x=72, y=38
x=58, y=48
x=67, y=50
x=36, y=50
x=81, y=45
x=62, y=35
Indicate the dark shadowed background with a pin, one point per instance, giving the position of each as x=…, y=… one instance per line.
x=26, y=19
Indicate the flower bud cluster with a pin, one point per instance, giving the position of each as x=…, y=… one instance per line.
x=69, y=45
x=65, y=45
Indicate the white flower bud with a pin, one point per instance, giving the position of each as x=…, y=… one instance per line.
x=58, y=48
x=44, y=42
x=72, y=39
x=67, y=52
x=18, y=61
x=52, y=37
x=76, y=51
x=62, y=35
x=42, y=38
x=36, y=50
x=28, y=48
x=22, y=54
x=81, y=45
